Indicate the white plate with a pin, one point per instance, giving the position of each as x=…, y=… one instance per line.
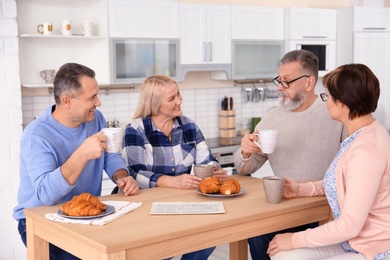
x=109, y=210
x=242, y=190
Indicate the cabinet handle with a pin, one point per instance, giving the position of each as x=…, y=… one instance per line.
x=204, y=51
x=374, y=28
x=317, y=37
x=210, y=53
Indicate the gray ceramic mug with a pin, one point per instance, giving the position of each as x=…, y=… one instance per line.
x=48, y=75
x=203, y=170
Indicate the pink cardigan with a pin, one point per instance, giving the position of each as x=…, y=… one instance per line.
x=363, y=187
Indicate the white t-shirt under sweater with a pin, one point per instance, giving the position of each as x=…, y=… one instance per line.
x=306, y=145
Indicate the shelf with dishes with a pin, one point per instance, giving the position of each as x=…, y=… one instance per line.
x=57, y=36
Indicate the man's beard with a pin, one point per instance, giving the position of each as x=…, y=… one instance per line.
x=292, y=103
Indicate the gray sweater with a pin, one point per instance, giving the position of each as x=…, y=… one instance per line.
x=306, y=145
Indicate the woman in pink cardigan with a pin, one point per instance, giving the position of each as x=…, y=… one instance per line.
x=357, y=183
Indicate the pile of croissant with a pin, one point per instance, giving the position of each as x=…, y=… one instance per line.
x=212, y=185
x=83, y=205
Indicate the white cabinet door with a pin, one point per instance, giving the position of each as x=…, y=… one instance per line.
x=205, y=34
x=373, y=50
x=371, y=19
x=257, y=23
x=311, y=23
x=144, y=19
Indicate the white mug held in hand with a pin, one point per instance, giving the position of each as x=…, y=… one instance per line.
x=114, y=139
x=266, y=140
x=86, y=28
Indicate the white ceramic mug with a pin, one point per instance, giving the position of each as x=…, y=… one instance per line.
x=114, y=139
x=266, y=140
x=66, y=27
x=86, y=28
x=48, y=75
x=45, y=28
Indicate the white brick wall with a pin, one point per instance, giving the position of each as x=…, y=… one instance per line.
x=11, y=246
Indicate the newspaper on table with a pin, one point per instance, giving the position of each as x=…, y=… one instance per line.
x=187, y=208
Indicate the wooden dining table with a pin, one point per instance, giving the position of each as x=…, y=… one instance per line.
x=141, y=235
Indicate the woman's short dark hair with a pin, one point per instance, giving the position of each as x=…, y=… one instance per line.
x=354, y=85
x=67, y=80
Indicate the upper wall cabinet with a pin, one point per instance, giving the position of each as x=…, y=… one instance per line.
x=144, y=19
x=257, y=23
x=311, y=23
x=39, y=52
x=371, y=19
x=205, y=33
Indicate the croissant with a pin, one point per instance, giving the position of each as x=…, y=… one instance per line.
x=231, y=186
x=209, y=185
x=93, y=199
x=83, y=205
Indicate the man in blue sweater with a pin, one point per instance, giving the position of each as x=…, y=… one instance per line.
x=62, y=152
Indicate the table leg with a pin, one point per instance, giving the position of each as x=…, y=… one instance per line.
x=239, y=250
x=37, y=248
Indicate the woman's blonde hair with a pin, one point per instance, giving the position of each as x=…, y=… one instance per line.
x=152, y=90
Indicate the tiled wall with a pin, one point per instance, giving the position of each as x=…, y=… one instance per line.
x=11, y=247
x=201, y=105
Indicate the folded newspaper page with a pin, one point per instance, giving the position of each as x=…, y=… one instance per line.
x=187, y=208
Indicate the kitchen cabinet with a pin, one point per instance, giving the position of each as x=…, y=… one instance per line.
x=370, y=46
x=133, y=60
x=313, y=29
x=40, y=52
x=368, y=49
x=205, y=32
x=144, y=19
x=311, y=23
x=370, y=19
x=257, y=23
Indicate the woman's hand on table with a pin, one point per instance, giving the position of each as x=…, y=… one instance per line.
x=186, y=181
x=281, y=242
x=220, y=173
x=183, y=181
x=291, y=188
x=128, y=185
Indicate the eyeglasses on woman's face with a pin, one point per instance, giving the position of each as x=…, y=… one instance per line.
x=286, y=84
x=324, y=97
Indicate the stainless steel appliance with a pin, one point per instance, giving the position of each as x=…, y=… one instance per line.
x=223, y=149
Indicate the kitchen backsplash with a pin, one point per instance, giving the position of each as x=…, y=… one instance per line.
x=201, y=105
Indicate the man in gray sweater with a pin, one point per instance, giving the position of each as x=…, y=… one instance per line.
x=308, y=139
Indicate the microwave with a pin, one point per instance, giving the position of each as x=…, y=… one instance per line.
x=324, y=50
x=256, y=59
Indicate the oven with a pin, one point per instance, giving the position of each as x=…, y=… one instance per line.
x=223, y=149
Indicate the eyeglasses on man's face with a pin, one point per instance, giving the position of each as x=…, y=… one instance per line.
x=286, y=84
x=324, y=97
